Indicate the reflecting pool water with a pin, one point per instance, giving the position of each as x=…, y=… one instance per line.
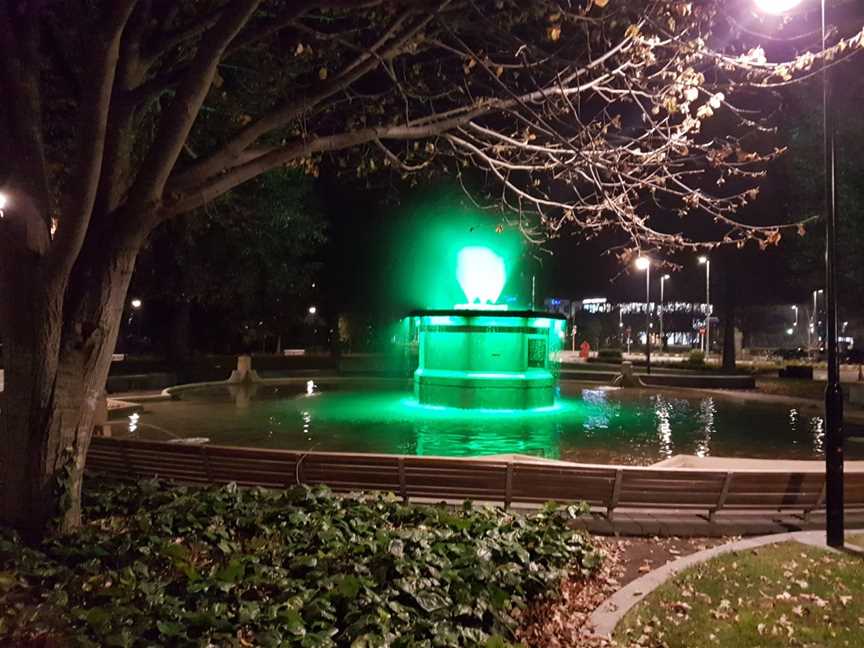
x=587, y=424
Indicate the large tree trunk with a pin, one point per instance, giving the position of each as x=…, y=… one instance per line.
x=56, y=361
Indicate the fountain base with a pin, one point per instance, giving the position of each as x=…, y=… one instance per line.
x=476, y=359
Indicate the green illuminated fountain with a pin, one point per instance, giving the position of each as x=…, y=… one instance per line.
x=480, y=355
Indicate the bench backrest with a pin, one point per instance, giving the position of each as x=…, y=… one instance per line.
x=470, y=478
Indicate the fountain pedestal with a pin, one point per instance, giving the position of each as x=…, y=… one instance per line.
x=487, y=359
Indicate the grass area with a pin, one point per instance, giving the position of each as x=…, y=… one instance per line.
x=159, y=565
x=774, y=596
x=796, y=387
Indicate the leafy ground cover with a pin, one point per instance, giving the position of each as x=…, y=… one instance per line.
x=159, y=565
x=779, y=595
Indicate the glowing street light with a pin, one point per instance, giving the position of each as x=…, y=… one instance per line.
x=834, y=441
x=313, y=310
x=644, y=263
x=135, y=303
x=3, y=200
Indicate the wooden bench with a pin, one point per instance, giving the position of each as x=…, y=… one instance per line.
x=493, y=480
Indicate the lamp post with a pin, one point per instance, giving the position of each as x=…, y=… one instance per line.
x=795, y=325
x=644, y=263
x=815, y=327
x=703, y=260
x=136, y=306
x=833, y=391
x=663, y=280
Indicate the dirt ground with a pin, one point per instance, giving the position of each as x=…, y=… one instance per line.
x=563, y=620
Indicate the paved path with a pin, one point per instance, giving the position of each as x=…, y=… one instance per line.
x=668, y=523
x=609, y=613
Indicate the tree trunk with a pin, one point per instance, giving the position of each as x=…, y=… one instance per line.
x=57, y=351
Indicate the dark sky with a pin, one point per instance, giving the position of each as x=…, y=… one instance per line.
x=360, y=257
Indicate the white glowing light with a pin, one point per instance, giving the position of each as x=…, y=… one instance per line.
x=3, y=200
x=643, y=263
x=313, y=310
x=776, y=6
x=310, y=387
x=481, y=274
x=703, y=260
x=136, y=303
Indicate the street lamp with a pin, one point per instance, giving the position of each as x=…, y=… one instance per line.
x=313, y=310
x=644, y=263
x=815, y=326
x=833, y=390
x=3, y=200
x=663, y=280
x=704, y=260
x=136, y=306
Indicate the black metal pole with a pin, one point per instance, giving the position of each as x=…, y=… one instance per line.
x=648, y=319
x=833, y=391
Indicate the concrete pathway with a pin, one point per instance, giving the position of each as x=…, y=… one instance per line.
x=611, y=611
x=690, y=524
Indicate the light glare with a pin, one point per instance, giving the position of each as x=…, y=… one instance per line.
x=481, y=274
x=642, y=263
x=776, y=6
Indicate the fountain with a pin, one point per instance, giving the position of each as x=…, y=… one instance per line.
x=480, y=354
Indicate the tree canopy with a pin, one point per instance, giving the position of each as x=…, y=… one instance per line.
x=250, y=259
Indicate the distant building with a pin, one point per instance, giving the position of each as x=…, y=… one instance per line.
x=603, y=323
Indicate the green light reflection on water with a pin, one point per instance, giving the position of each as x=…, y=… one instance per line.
x=595, y=425
x=468, y=431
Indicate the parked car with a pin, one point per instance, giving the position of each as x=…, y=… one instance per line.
x=798, y=353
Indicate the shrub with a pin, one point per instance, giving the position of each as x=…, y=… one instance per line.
x=696, y=359
x=159, y=565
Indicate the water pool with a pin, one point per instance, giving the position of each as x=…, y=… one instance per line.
x=602, y=425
